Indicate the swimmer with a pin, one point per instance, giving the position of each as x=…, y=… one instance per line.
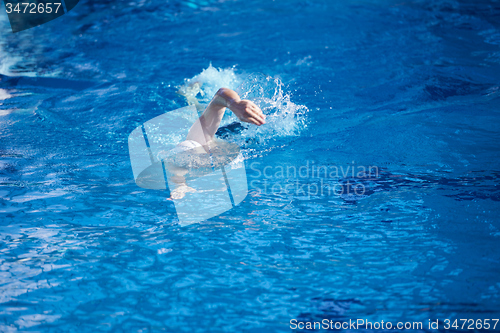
x=195, y=151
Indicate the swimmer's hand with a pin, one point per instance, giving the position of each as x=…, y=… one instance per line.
x=248, y=112
x=244, y=109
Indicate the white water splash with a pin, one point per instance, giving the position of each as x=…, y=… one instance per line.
x=283, y=117
x=204, y=85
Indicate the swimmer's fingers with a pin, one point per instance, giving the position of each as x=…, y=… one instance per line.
x=254, y=121
x=259, y=118
x=257, y=113
x=248, y=112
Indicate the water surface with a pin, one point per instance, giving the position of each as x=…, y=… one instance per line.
x=409, y=87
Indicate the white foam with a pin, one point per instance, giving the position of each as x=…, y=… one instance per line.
x=203, y=86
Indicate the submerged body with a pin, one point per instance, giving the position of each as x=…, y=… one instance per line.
x=200, y=149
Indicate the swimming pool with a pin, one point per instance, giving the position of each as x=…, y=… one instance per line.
x=404, y=93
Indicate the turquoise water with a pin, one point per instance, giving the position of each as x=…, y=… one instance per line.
x=410, y=89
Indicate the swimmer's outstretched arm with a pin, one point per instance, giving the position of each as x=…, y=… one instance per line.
x=204, y=129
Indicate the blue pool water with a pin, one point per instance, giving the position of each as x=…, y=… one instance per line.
x=409, y=87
